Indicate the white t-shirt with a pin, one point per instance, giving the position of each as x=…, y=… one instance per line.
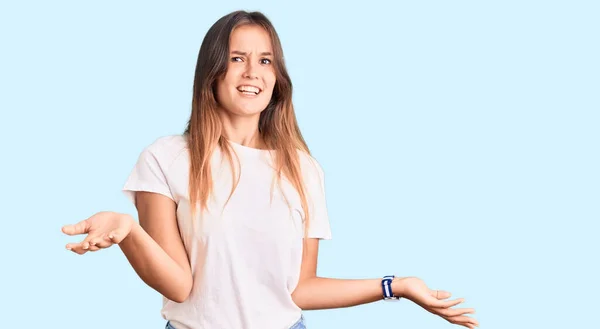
x=245, y=258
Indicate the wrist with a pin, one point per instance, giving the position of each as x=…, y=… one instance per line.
x=390, y=287
x=132, y=224
x=398, y=285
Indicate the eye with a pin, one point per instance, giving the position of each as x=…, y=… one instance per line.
x=265, y=61
x=236, y=59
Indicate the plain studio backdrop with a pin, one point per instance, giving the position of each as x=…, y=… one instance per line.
x=459, y=139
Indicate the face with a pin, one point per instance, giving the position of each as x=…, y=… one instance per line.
x=246, y=88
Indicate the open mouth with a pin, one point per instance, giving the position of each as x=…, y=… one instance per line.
x=249, y=90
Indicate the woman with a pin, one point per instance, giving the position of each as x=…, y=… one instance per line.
x=245, y=256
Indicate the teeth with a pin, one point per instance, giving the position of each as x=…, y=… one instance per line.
x=249, y=89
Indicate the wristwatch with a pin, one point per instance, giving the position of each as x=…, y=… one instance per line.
x=386, y=286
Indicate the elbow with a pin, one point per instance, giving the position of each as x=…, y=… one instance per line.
x=297, y=297
x=297, y=301
x=181, y=295
x=180, y=298
x=300, y=295
x=302, y=301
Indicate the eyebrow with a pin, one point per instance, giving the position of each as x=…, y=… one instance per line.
x=237, y=52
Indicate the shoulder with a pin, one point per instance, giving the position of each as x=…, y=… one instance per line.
x=166, y=149
x=169, y=143
x=311, y=168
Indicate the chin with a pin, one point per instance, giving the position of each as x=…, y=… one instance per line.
x=246, y=111
x=250, y=109
x=252, y=112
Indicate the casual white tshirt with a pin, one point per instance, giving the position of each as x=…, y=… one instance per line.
x=245, y=258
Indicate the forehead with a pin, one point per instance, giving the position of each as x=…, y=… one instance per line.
x=250, y=38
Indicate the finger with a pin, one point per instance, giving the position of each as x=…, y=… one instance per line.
x=76, y=248
x=116, y=236
x=463, y=320
x=93, y=248
x=458, y=311
x=74, y=229
x=104, y=244
x=436, y=303
x=91, y=240
x=84, y=245
x=450, y=312
x=440, y=294
x=100, y=242
x=73, y=245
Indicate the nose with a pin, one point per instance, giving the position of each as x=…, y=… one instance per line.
x=251, y=70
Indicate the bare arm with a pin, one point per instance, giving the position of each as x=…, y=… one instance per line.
x=313, y=293
x=155, y=250
x=324, y=293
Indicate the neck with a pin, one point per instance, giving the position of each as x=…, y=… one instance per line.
x=242, y=130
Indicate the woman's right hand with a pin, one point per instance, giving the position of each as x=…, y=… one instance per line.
x=103, y=229
x=434, y=301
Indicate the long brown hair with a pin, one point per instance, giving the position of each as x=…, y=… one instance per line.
x=277, y=124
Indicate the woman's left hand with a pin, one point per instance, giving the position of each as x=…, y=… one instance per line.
x=416, y=290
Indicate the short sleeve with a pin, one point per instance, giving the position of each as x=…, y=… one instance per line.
x=319, y=225
x=148, y=174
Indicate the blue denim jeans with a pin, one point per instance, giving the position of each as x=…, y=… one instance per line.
x=298, y=325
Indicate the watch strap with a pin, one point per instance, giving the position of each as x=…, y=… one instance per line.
x=386, y=287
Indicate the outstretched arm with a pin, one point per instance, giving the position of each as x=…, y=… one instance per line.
x=315, y=292
x=153, y=247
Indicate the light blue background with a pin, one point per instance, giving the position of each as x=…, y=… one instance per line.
x=460, y=142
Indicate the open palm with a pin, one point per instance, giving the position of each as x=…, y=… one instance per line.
x=435, y=302
x=103, y=229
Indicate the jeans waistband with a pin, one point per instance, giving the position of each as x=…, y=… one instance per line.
x=298, y=325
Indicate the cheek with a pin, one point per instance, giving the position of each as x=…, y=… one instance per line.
x=270, y=82
x=221, y=92
x=223, y=88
